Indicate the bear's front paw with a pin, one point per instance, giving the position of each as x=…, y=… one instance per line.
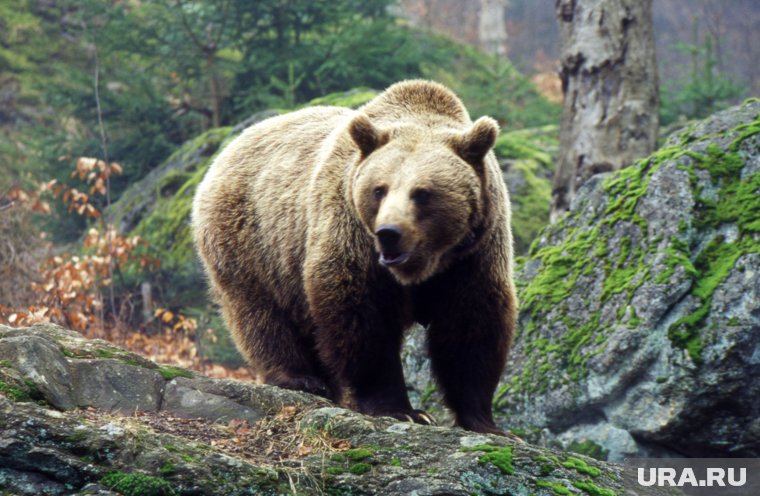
x=484, y=425
x=305, y=383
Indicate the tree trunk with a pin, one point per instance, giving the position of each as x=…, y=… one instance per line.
x=609, y=81
x=492, y=29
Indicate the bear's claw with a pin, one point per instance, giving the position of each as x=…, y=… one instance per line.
x=415, y=416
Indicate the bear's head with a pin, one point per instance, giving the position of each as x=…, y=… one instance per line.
x=419, y=191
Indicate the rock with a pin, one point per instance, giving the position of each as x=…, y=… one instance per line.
x=420, y=384
x=189, y=398
x=640, y=310
x=250, y=439
x=113, y=385
x=42, y=364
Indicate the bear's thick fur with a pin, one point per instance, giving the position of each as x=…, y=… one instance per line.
x=327, y=232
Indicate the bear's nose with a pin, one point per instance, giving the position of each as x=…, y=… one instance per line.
x=388, y=235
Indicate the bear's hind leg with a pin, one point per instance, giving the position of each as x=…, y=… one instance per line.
x=278, y=352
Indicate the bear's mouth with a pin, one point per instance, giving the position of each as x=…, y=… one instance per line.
x=390, y=259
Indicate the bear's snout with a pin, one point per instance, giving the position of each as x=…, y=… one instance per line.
x=388, y=235
x=389, y=238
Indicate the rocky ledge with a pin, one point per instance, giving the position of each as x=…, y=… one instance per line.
x=82, y=416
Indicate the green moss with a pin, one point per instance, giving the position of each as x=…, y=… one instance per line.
x=358, y=454
x=167, y=468
x=589, y=448
x=581, y=466
x=5, y=364
x=554, y=486
x=396, y=462
x=353, y=98
x=355, y=461
x=713, y=265
x=360, y=468
x=661, y=380
x=677, y=256
x=166, y=228
x=733, y=322
x=169, y=373
x=586, y=251
x=593, y=489
x=135, y=484
x=188, y=455
x=106, y=353
x=501, y=457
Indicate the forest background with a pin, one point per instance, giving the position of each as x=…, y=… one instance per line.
x=95, y=95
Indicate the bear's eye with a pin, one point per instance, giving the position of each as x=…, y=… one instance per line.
x=421, y=196
x=378, y=192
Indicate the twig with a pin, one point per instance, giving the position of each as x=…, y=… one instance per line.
x=105, y=219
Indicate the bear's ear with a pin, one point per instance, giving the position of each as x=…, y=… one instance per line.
x=366, y=136
x=474, y=143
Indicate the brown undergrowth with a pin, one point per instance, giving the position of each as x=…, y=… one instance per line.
x=77, y=289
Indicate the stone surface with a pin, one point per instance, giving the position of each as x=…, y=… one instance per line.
x=185, y=398
x=264, y=440
x=640, y=310
x=113, y=385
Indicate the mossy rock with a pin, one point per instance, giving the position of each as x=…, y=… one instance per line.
x=632, y=299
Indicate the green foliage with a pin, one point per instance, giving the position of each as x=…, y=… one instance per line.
x=13, y=392
x=172, y=70
x=488, y=85
x=704, y=90
x=135, y=484
x=528, y=153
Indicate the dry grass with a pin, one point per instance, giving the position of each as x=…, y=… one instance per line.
x=274, y=440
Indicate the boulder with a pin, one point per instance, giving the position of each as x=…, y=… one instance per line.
x=639, y=330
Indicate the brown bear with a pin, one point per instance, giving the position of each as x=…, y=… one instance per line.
x=327, y=232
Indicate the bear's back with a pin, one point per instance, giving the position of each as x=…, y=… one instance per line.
x=249, y=214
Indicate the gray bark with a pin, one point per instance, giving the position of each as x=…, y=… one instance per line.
x=609, y=80
x=492, y=29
